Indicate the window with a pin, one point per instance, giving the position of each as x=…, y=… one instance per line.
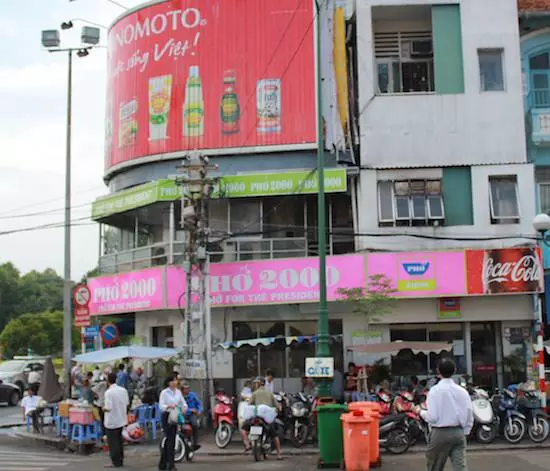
x=503, y=198
x=491, y=72
x=245, y=217
x=410, y=202
x=405, y=62
x=544, y=197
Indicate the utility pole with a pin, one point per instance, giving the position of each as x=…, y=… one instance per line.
x=197, y=184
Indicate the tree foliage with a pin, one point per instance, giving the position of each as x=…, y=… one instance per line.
x=42, y=333
x=372, y=302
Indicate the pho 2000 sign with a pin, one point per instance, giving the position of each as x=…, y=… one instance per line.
x=320, y=367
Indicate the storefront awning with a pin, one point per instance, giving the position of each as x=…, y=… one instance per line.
x=395, y=347
x=266, y=341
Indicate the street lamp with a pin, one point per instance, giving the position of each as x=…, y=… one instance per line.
x=541, y=224
x=51, y=41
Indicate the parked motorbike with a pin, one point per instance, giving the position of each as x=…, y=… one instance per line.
x=538, y=425
x=224, y=424
x=485, y=427
x=385, y=400
x=259, y=439
x=394, y=433
x=184, y=448
x=512, y=423
x=301, y=419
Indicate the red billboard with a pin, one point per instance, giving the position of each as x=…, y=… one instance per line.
x=504, y=271
x=210, y=75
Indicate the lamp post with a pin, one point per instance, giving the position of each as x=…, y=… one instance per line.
x=51, y=41
x=323, y=347
x=541, y=224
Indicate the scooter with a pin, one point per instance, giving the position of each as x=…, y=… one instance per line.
x=512, y=423
x=259, y=439
x=300, y=416
x=485, y=427
x=184, y=447
x=224, y=425
x=394, y=433
x=538, y=426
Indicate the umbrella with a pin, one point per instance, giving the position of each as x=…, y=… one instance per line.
x=394, y=347
x=50, y=390
x=132, y=351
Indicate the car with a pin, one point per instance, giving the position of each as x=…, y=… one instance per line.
x=16, y=371
x=9, y=393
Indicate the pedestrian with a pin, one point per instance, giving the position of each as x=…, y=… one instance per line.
x=350, y=382
x=34, y=376
x=96, y=375
x=116, y=418
x=122, y=377
x=449, y=412
x=170, y=399
x=269, y=380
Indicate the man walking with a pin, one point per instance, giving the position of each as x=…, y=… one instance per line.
x=450, y=415
x=116, y=417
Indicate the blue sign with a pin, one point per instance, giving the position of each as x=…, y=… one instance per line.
x=91, y=331
x=416, y=268
x=110, y=334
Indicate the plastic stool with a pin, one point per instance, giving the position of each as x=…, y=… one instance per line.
x=78, y=434
x=65, y=427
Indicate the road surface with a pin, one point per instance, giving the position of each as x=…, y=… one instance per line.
x=9, y=415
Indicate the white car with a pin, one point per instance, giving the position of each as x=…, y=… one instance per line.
x=17, y=371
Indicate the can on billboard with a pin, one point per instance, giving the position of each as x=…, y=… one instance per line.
x=502, y=271
x=172, y=79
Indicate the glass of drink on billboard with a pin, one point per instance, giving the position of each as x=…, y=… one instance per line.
x=268, y=105
x=127, y=123
x=160, y=92
x=193, y=106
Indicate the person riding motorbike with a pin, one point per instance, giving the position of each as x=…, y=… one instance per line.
x=194, y=410
x=261, y=396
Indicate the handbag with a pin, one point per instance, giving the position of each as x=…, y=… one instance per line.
x=173, y=417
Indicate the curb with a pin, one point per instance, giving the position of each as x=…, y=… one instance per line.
x=19, y=424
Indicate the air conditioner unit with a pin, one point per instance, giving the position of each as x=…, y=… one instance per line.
x=422, y=48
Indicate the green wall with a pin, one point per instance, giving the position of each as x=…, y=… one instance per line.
x=447, y=43
x=457, y=196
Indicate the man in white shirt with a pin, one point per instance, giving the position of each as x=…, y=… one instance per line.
x=116, y=417
x=269, y=381
x=30, y=405
x=449, y=412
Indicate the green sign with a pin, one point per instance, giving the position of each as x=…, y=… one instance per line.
x=288, y=183
x=233, y=186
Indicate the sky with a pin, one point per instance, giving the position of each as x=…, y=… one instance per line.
x=33, y=94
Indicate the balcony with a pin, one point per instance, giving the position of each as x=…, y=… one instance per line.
x=539, y=112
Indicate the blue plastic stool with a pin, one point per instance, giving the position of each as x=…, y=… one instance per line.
x=152, y=419
x=66, y=428
x=78, y=434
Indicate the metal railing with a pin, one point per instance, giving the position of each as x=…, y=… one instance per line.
x=258, y=249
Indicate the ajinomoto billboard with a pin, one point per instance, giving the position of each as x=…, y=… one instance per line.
x=217, y=75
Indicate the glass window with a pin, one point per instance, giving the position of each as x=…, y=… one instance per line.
x=402, y=207
x=435, y=207
x=491, y=70
x=504, y=198
x=539, y=62
x=484, y=354
x=544, y=197
x=406, y=363
x=343, y=240
x=245, y=217
x=515, y=351
x=452, y=333
x=218, y=213
x=385, y=198
x=383, y=77
x=283, y=217
x=419, y=207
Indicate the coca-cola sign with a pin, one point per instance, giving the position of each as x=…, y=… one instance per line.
x=501, y=271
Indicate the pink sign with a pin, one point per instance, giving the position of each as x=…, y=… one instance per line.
x=417, y=274
x=272, y=281
x=127, y=292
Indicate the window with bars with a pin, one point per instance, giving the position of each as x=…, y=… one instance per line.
x=410, y=202
x=491, y=71
x=503, y=199
x=404, y=62
x=544, y=197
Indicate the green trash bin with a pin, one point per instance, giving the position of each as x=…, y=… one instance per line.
x=331, y=441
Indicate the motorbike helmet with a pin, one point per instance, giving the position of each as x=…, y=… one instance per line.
x=259, y=379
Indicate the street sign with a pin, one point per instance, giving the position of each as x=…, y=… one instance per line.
x=110, y=334
x=81, y=295
x=91, y=332
x=318, y=367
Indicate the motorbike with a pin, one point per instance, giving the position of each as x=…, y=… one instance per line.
x=301, y=420
x=224, y=424
x=394, y=433
x=184, y=448
x=538, y=425
x=259, y=439
x=512, y=423
x=385, y=400
x=485, y=424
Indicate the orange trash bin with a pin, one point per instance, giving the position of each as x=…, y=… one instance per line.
x=371, y=409
x=356, y=433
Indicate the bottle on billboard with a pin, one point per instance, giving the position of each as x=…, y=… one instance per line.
x=268, y=105
x=516, y=270
x=193, y=107
x=230, y=108
x=160, y=93
x=127, y=123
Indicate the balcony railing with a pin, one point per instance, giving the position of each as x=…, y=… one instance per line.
x=225, y=251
